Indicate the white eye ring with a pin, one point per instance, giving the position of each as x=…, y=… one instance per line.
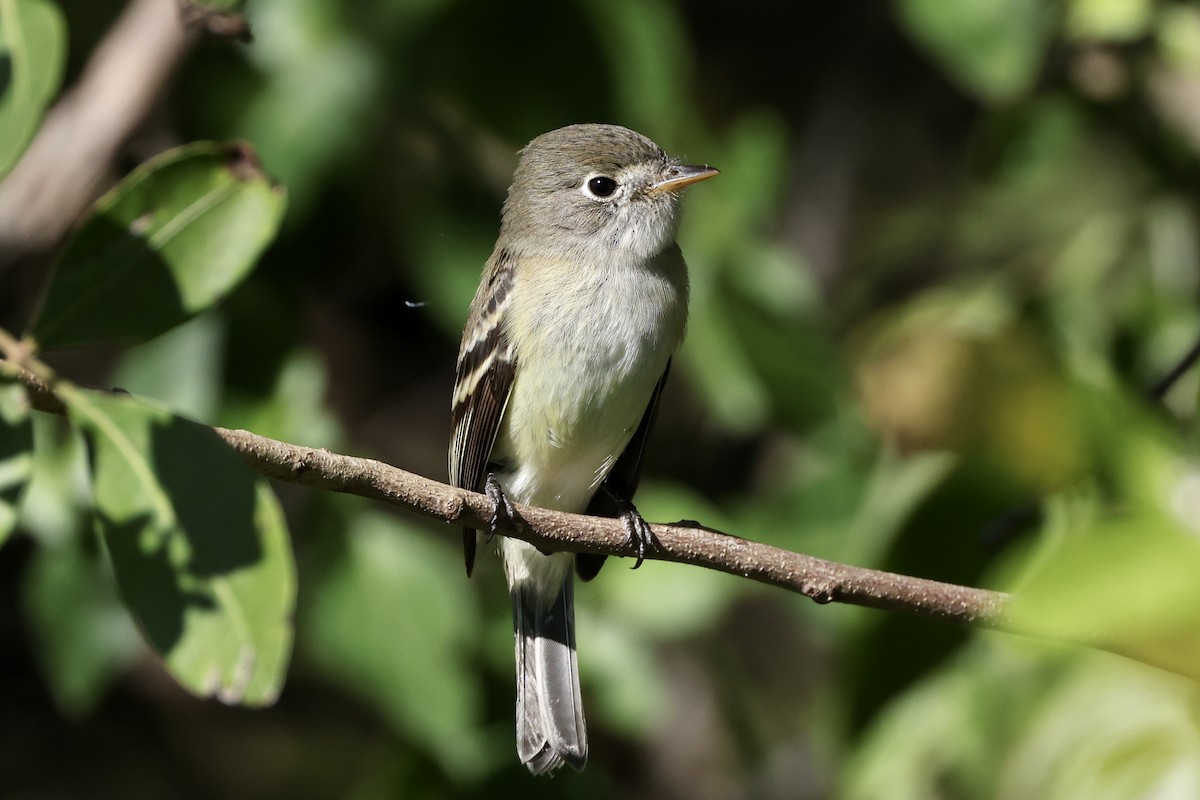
x=600, y=187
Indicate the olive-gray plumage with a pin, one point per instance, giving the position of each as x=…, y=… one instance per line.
x=582, y=303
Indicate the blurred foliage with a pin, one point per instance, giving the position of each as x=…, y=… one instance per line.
x=16, y=451
x=951, y=248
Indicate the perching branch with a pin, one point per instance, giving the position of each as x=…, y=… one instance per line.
x=684, y=543
x=823, y=581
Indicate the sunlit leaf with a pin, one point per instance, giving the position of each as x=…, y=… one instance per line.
x=716, y=361
x=895, y=488
x=392, y=619
x=33, y=45
x=16, y=451
x=1128, y=587
x=55, y=504
x=199, y=548
x=668, y=600
x=169, y=241
x=1108, y=20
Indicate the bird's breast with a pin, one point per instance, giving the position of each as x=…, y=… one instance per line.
x=590, y=351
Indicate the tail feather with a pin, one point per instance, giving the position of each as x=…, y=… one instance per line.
x=550, y=726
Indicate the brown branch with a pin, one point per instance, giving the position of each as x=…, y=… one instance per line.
x=823, y=581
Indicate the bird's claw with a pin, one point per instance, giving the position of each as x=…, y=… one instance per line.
x=503, y=514
x=637, y=531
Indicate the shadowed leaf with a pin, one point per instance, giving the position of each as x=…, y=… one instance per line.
x=168, y=242
x=200, y=550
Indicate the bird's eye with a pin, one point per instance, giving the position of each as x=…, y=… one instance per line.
x=601, y=186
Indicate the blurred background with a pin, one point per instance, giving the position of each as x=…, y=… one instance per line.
x=952, y=248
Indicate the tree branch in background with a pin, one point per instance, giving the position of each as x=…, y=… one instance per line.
x=69, y=162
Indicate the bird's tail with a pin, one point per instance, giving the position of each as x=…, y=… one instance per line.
x=550, y=727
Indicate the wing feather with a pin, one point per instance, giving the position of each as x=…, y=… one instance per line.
x=484, y=377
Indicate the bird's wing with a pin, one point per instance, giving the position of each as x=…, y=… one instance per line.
x=486, y=368
x=623, y=479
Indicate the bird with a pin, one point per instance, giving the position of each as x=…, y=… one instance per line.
x=566, y=347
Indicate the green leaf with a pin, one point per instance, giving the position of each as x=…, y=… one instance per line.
x=16, y=451
x=391, y=617
x=169, y=241
x=1129, y=587
x=84, y=636
x=992, y=48
x=1178, y=32
x=677, y=601
x=33, y=48
x=1116, y=567
x=199, y=549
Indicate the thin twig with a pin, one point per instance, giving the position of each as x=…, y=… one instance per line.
x=1158, y=390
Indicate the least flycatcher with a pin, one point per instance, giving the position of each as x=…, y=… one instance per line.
x=565, y=351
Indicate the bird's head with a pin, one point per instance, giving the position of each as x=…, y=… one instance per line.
x=597, y=186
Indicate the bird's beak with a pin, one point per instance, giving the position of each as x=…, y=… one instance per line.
x=678, y=177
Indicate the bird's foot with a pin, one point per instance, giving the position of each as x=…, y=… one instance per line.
x=637, y=530
x=503, y=514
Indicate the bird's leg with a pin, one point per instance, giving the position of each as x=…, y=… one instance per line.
x=636, y=529
x=503, y=514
